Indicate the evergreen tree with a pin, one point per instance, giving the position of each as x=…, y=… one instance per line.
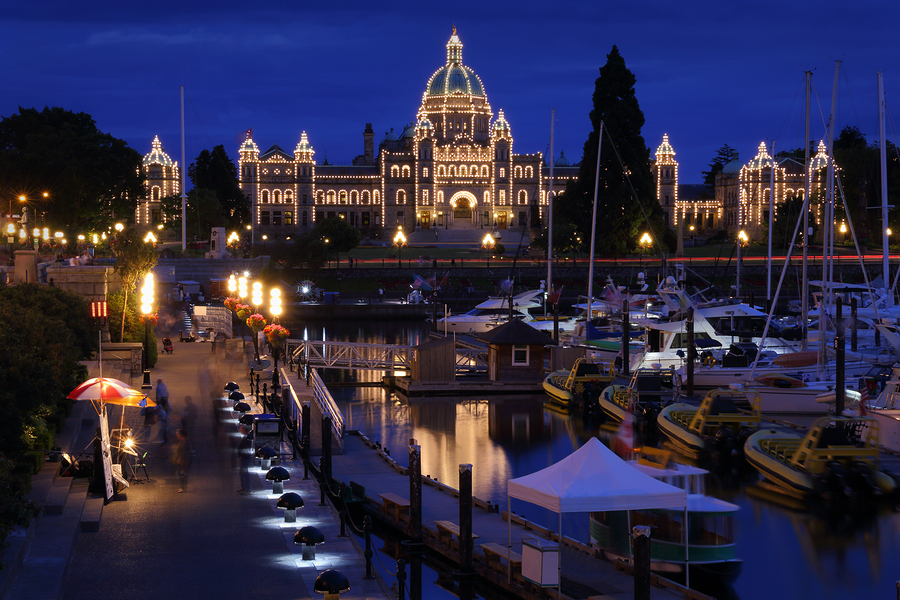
x=725, y=155
x=216, y=172
x=626, y=196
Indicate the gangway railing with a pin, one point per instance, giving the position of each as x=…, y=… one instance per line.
x=378, y=357
x=350, y=355
x=327, y=404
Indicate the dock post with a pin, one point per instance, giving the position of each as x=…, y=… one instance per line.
x=367, y=529
x=640, y=535
x=465, y=518
x=839, y=389
x=853, y=303
x=415, y=492
x=691, y=350
x=326, y=449
x=401, y=579
x=626, y=343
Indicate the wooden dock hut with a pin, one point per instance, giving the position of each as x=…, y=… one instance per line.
x=516, y=352
x=434, y=361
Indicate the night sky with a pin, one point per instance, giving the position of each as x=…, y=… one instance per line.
x=707, y=74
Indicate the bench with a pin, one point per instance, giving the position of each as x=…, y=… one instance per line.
x=493, y=553
x=447, y=530
x=356, y=493
x=394, y=505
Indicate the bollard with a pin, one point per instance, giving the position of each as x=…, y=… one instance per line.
x=322, y=483
x=367, y=529
x=401, y=579
x=641, y=539
x=305, y=443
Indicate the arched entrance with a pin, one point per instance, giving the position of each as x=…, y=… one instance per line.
x=463, y=205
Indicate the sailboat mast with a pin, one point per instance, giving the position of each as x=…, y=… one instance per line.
x=593, y=238
x=889, y=297
x=550, y=221
x=771, y=220
x=183, y=170
x=828, y=222
x=804, y=300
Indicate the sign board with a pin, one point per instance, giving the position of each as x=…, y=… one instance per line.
x=106, y=457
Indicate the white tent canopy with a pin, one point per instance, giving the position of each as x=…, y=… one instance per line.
x=593, y=478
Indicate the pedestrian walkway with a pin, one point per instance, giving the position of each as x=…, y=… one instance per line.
x=209, y=541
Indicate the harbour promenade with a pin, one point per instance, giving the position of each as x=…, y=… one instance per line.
x=209, y=541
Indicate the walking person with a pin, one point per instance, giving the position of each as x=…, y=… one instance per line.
x=181, y=458
x=245, y=457
x=162, y=394
x=188, y=415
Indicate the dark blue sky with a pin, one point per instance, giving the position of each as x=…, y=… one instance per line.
x=707, y=74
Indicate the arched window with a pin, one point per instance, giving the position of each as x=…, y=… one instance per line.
x=518, y=172
x=529, y=172
x=288, y=195
x=523, y=197
x=265, y=196
x=463, y=171
x=440, y=197
x=354, y=197
x=365, y=197
x=484, y=171
x=395, y=171
x=401, y=197
x=330, y=196
x=452, y=170
x=442, y=171
x=276, y=196
x=502, y=173
x=320, y=197
x=343, y=196
x=377, y=197
x=474, y=170
x=502, y=196
x=425, y=172
x=406, y=170
x=425, y=197
x=487, y=198
x=155, y=194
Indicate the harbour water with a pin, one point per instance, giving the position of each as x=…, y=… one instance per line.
x=787, y=553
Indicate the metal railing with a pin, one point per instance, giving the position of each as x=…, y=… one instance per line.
x=350, y=355
x=327, y=405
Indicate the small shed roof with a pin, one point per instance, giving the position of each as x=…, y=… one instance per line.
x=516, y=332
x=434, y=343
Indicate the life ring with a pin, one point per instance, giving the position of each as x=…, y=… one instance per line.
x=708, y=359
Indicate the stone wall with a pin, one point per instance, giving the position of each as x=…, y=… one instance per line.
x=92, y=283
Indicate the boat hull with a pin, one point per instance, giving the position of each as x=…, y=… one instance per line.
x=609, y=406
x=554, y=386
x=670, y=426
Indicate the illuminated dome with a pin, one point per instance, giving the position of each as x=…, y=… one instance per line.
x=249, y=145
x=157, y=155
x=424, y=124
x=665, y=149
x=303, y=146
x=562, y=161
x=501, y=124
x=762, y=160
x=820, y=160
x=454, y=77
x=734, y=167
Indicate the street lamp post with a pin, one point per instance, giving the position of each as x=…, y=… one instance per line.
x=400, y=241
x=488, y=244
x=146, y=310
x=645, y=242
x=741, y=241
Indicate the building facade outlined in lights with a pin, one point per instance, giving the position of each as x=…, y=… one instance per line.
x=742, y=191
x=453, y=167
x=161, y=179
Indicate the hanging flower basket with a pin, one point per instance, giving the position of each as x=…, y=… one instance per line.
x=152, y=319
x=276, y=334
x=256, y=322
x=243, y=311
x=231, y=303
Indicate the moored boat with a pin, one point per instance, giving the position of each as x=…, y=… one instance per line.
x=885, y=409
x=564, y=385
x=645, y=395
x=718, y=423
x=711, y=545
x=836, y=459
